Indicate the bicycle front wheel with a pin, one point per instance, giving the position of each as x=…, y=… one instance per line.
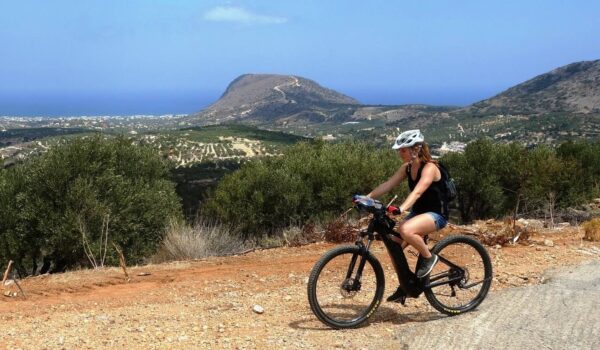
x=341, y=296
x=462, y=277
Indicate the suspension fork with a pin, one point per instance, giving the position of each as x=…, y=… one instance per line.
x=363, y=253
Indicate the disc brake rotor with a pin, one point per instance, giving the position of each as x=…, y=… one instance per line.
x=347, y=290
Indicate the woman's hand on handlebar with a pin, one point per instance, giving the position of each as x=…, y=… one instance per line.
x=394, y=210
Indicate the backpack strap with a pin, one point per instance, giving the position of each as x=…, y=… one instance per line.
x=443, y=171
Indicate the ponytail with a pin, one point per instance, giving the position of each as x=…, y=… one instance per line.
x=425, y=155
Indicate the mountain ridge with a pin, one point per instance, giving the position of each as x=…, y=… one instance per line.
x=289, y=99
x=572, y=88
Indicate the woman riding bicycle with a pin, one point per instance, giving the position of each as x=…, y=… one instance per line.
x=347, y=283
x=425, y=200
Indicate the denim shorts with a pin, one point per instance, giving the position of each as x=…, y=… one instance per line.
x=440, y=221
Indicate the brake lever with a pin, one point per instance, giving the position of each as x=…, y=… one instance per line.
x=392, y=201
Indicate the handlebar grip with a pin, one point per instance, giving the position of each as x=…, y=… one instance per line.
x=394, y=210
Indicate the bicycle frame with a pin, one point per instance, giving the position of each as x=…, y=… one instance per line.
x=412, y=285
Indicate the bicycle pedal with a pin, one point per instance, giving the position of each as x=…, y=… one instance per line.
x=401, y=300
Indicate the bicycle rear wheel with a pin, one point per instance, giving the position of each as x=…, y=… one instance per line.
x=338, y=296
x=462, y=277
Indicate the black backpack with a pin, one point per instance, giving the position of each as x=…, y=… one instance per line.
x=449, y=187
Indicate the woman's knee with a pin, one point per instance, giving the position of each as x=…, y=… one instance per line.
x=405, y=231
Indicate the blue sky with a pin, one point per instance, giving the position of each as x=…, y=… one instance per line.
x=150, y=56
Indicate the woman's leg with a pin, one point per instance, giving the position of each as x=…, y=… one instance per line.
x=413, y=230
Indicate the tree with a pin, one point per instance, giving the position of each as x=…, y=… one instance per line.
x=584, y=160
x=479, y=191
x=310, y=181
x=62, y=198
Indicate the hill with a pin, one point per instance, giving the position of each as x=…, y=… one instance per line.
x=268, y=97
x=574, y=88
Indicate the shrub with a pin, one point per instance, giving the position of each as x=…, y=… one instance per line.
x=49, y=203
x=294, y=236
x=201, y=240
x=310, y=182
x=495, y=180
x=339, y=231
x=591, y=230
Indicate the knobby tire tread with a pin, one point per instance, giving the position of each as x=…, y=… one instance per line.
x=314, y=276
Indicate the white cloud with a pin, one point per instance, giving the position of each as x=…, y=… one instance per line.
x=240, y=15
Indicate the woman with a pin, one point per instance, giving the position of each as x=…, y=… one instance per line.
x=424, y=201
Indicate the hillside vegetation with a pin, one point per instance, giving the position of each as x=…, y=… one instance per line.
x=315, y=181
x=60, y=210
x=311, y=181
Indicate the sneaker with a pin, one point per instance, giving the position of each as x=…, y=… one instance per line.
x=426, y=266
x=399, y=296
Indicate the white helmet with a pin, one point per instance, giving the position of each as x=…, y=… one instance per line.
x=408, y=139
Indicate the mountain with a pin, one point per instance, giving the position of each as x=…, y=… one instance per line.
x=291, y=100
x=574, y=88
x=559, y=105
x=271, y=97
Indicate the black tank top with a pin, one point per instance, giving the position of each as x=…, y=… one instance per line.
x=431, y=199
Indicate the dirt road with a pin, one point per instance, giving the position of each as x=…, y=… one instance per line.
x=561, y=313
x=209, y=304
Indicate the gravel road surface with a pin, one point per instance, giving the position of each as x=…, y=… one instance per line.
x=561, y=313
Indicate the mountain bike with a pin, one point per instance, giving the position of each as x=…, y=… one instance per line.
x=346, y=284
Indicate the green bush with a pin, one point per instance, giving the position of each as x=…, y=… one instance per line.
x=479, y=189
x=49, y=202
x=311, y=181
x=496, y=179
x=584, y=172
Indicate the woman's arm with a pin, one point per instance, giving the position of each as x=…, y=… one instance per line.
x=429, y=174
x=392, y=182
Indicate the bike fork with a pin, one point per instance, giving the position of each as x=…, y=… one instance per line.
x=364, y=250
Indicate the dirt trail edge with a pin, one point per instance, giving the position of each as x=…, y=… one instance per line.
x=561, y=313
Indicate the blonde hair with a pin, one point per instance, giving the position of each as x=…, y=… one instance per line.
x=424, y=154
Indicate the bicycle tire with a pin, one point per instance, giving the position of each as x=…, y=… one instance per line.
x=442, y=248
x=320, y=307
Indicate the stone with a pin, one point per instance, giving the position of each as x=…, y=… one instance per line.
x=258, y=309
x=548, y=243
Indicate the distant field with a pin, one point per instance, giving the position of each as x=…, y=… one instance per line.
x=189, y=146
x=14, y=136
x=213, y=133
